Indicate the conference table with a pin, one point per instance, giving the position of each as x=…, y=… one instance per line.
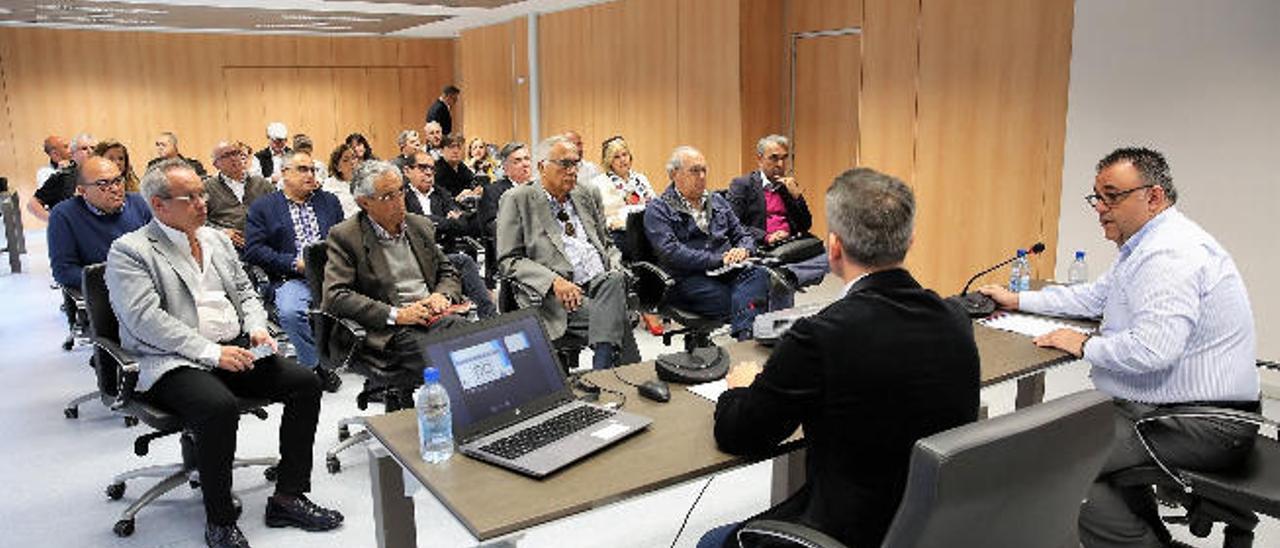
x=676, y=448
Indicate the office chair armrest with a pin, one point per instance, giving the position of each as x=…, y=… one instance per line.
x=357, y=332
x=1192, y=412
x=639, y=268
x=1268, y=364
x=534, y=297
x=793, y=533
x=126, y=371
x=471, y=242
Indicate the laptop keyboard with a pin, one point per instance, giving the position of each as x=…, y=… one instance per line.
x=541, y=434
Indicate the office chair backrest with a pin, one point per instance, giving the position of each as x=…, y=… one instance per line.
x=637, y=242
x=102, y=322
x=316, y=256
x=1015, y=480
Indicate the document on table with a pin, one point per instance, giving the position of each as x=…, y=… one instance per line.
x=1026, y=324
x=710, y=390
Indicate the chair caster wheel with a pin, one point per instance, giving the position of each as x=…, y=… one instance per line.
x=333, y=465
x=130, y=422
x=271, y=473
x=71, y=412
x=123, y=528
x=195, y=484
x=343, y=433
x=237, y=506
x=115, y=491
x=67, y=345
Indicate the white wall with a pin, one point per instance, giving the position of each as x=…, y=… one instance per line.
x=1198, y=80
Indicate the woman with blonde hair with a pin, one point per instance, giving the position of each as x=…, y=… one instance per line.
x=115, y=151
x=623, y=191
x=480, y=158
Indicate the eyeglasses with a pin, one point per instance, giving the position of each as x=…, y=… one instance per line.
x=233, y=154
x=777, y=157
x=567, y=163
x=398, y=193
x=192, y=198
x=309, y=170
x=563, y=217
x=425, y=168
x=104, y=184
x=697, y=170
x=1110, y=199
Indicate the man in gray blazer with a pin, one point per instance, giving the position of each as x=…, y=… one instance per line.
x=188, y=314
x=386, y=272
x=553, y=241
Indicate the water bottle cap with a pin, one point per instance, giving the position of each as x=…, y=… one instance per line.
x=1079, y=255
x=430, y=375
x=1022, y=253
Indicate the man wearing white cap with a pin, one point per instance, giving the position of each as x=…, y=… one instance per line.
x=266, y=161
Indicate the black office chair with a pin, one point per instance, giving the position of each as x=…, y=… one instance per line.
x=78, y=331
x=568, y=347
x=1014, y=481
x=117, y=376
x=393, y=388
x=1232, y=497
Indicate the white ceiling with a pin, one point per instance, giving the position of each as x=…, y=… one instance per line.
x=398, y=18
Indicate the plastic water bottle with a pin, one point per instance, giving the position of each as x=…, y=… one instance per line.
x=435, y=418
x=1079, y=271
x=1020, y=273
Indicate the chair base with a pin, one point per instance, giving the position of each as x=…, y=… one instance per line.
x=694, y=366
x=345, y=441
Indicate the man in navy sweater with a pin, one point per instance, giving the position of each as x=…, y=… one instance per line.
x=82, y=228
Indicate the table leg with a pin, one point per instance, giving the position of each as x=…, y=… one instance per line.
x=788, y=476
x=1030, y=390
x=392, y=511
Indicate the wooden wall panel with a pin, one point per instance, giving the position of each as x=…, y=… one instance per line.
x=709, y=103
x=131, y=86
x=764, y=50
x=813, y=15
x=826, y=139
x=992, y=105
x=647, y=67
x=887, y=102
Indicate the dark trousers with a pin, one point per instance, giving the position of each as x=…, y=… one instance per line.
x=1116, y=516
x=206, y=402
x=407, y=348
x=740, y=295
x=473, y=286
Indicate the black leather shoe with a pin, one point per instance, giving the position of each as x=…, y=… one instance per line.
x=301, y=513
x=224, y=536
x=329, y=380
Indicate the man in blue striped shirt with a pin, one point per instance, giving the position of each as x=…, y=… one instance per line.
x=1176, y=328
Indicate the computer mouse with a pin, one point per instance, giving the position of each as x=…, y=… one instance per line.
x=655, y=390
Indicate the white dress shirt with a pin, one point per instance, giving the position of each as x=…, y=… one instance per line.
x=218, y=320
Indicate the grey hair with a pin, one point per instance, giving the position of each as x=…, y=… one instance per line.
x=1150, y=164
x=873, y=214
x=773, y=139
x=677, y=158
x=170, y=136
x=543, y=149
x=509, y=149
x=405, y=136
x=155, y=182
x=82, y=137
x=368, y=172
x=433, y=123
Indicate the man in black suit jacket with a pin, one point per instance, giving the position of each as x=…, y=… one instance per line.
x=770, y=204
x=887, y=364
x=441, y=111
x=423, y=197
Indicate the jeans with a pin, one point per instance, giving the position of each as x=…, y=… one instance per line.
x=293, y=301
x=716, y=537
x=740, y=296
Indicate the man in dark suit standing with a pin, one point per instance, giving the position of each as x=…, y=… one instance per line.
x=280, y=227
x=772, y=207
x=441, y=111
x=386, y=272
x=887, y=364
x=423, y=197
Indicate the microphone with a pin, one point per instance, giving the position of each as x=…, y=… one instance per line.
x=978, y=305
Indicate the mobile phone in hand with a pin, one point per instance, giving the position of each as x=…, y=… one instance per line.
x=261, y=351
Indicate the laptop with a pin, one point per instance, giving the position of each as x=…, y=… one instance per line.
x=512, y=405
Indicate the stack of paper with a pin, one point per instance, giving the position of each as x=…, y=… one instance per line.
x=1026, y=324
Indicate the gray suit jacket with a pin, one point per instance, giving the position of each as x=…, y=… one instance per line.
x=530, y=250
x=152, y=284
x=225, y=211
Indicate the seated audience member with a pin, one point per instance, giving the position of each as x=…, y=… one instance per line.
x=623, y=191
x=480, y=159
x=576, y=270
x=82, y=228
x=188, y=314
x=1177, y=328
x=280, y=227
x=422, y=197
x=409, y=143
x=59, y=152
x=62, y=185
x=692, y=232
x=302, y=143
x=232, y=191
x=115, y=151
x=587, y=170
x=889, y=355
x=518, y=170
x=453, y=175
x=167, y=147
x=267, y=162
x=361, y=147
x=432, y=138
x=386, y=272
x=342, y=168
x=770, y=204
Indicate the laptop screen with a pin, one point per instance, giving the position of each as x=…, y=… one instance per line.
x=497, y=371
